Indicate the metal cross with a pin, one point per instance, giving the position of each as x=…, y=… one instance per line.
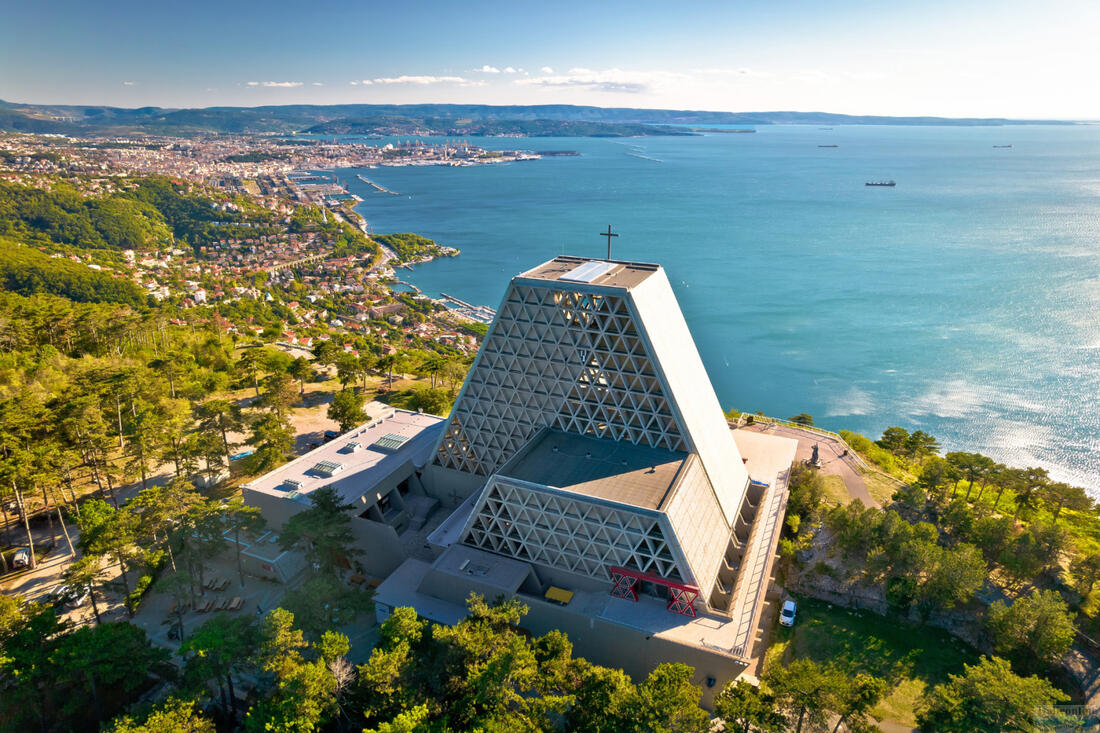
x=609, y=235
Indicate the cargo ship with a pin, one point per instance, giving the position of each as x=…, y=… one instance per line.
x=890, y=184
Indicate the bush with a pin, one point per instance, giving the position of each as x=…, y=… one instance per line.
x=877, y=455
x=134, y=599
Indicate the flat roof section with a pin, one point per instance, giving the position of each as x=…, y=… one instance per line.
x=352, y=462
x=766, y=456
x=605, y=273
x=604, y=469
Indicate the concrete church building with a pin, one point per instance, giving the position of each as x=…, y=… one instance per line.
x=587, y=468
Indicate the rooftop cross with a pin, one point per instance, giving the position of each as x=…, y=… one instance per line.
x=609, y=235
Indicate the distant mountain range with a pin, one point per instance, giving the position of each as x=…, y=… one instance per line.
x=443, y=119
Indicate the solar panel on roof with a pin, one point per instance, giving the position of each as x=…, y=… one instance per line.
x=588, y=272
x=390, y=441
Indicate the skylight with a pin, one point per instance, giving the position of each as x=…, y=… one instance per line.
x=327, y=468
x=588, y=272
x=390, y=442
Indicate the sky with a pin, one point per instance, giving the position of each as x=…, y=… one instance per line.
x=1010, y=58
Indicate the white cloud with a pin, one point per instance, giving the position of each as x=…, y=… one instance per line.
x=509, y=70
x=486, y=69
x=546, y=70
x=285, y=84
x=318, y=83
x=739, y=71
x=253, y=83
x=127, y=83
x=423, y=80
x=609, y=80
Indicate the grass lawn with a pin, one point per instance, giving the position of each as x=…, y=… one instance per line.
x=910, y=657
x=835, y=490
x=880, y=488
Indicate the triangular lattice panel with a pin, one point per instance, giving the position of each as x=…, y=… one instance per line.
x=566, y=359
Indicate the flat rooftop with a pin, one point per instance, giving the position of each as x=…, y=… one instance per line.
x=584, y=271
x=358, y=459
x=766, y=456
x=600, y=468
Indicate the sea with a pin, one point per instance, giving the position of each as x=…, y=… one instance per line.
x=964, y=301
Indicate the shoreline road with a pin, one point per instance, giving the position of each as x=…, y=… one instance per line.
x=836, y=458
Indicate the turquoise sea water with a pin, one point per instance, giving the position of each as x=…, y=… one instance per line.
x=964, y=302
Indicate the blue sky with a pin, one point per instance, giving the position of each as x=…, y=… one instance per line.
x=1008, y=58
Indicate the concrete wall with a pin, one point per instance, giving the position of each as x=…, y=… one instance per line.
x=637, y=653
x=382, y=550
x=276, y=510
x=451, y=487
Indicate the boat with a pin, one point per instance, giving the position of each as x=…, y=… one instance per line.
x=890, y=184
x=828, y=146
x=1002, y=146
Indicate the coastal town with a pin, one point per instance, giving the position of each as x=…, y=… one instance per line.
x=282, y=232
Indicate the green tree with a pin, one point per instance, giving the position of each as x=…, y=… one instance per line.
x=920, y=444
x=251, y=364
x=432, y=366
x=106, y=531
x=855, y=700
x=325, y=353
x=1086, y=571
x=894, y=439
x=387, y=363
x=241, y=517
x=220, y=417
x=306, y=692
x=217, y=650
x=86, y=573
x=323, y=531
x=348, y=369
x=301, y=369
x=745, y=708
x=279, y=394
x=273, y=439
x=323, y=602
x=1065, y=496
x=1034, y=629
x=802, y=418
x=174, y=715
x=668, y=701
x=346, y=409
x=807, y=490
x=804, y=691
x=114, y=657
x=986, y=698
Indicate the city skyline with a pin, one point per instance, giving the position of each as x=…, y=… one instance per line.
x=984, y=60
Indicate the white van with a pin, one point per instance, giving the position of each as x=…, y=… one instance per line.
x=22, y=558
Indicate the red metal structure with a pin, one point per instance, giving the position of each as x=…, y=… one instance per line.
x=682, y=597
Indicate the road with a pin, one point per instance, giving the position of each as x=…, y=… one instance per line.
x=831, y=451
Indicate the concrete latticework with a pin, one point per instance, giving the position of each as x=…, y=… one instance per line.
x=548, y=528
x=570, y=360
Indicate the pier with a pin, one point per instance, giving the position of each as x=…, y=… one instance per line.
x=482, y=313
x=380, y=189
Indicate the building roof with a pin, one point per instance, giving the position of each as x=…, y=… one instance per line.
x=580, y=270
x=358, y=459
x=613, y=470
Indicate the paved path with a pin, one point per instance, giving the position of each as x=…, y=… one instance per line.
x=829, y=451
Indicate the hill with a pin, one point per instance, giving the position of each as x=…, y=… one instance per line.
x=466, y=119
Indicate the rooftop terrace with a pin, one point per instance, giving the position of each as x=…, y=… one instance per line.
x=605, y=273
